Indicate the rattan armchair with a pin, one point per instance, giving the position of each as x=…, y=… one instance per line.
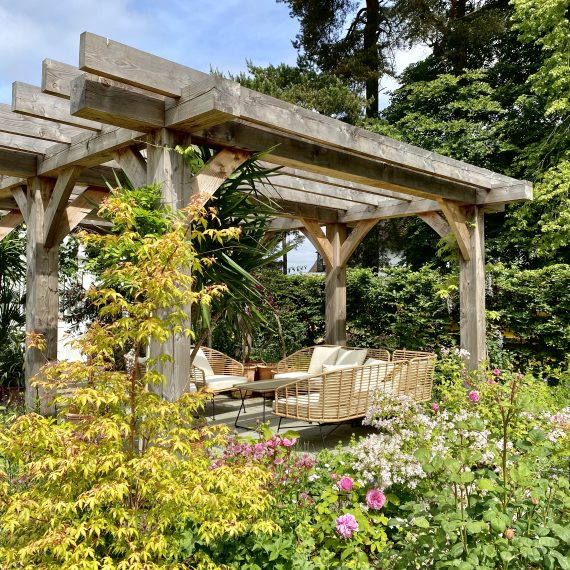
x=217, y=372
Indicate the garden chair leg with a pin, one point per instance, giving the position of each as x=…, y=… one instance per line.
x=279, y=425
x=213, y=407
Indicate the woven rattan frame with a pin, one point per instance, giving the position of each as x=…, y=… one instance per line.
x=299, y=361
x=347, y=394
x=221, y=364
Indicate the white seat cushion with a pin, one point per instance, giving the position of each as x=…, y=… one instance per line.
x=375, y=361
x=300, y=400
x=201, y=362
x=294, y=375
x=224, y=381
x=322, y=355
x=353, y=357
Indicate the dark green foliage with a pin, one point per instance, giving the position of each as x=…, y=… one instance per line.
x=322, y=92
x=347, y=39
x=529, y=310
x=12, y=315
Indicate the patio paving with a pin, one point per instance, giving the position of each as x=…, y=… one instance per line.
x=227, y=410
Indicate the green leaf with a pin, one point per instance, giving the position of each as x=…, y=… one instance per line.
x=421, y=522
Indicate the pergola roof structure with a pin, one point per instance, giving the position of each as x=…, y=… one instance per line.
x=123, y=110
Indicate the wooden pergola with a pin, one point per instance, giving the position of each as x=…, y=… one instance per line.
x=123, y=111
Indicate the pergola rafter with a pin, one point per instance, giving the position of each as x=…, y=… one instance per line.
x=122, y=112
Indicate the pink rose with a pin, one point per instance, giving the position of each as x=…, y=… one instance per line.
x=289, y=442
x=509, y=533
x=496, y=372
x=279, y=461
x=474, y=396
x=345, y=484
x=435, y=407
x=375, y=499
x=346, y=525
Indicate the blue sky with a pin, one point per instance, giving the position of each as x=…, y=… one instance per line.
x=204, y=34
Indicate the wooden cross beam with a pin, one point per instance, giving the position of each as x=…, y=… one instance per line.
x=22, y=200
x=436, y=222
x=458, y=223
x=317, y=237
x=26, y=144
x=77, y=211
x=10, y=221
x=16, y=124
x=133, y=165
x=29, y=100
x=58, y=203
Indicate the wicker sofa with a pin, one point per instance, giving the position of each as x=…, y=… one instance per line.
x=346, y=393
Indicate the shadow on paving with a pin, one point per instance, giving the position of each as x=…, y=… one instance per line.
x=227, y=410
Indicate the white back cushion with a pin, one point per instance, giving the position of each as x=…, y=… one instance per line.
x=375, y=361
x=352, y=357
x=322, y=355
x=201, y=362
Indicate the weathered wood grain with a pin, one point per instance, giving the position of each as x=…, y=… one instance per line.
x=77, y=211
x=436, y=222
x=23, y=125
x=335, y=288
x=133, y=165
x=114, y=60
x=472, y=292
x=354, y=239
x=41, y=292
x=17, y=163
x=58, y=203
x=22, y=200
x=412, y=208
x=457, y=221
x=26, y=144
x=10, y=221
x=317, y=237
x=29, y=100
x=99, y=99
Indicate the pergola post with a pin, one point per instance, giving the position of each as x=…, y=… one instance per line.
x=335, y=287
x=166, y=168
x=472, y=291
x=42, y=298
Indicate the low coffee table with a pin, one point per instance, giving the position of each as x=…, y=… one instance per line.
x=267, y=390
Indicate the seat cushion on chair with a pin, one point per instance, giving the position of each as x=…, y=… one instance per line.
x=293, y=375
x=375, y=361
x=322, y=355
x=201, y=362
x=336, y=367
x=302, y=400
x=353, y=357
x=224, y=381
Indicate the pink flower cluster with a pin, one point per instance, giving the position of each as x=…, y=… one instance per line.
x=474, y=396
x=345, y=484
x=346, y=525
x=375, y=499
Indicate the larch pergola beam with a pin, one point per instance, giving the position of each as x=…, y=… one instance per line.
x=359, y=232
x=26, y=144
x=242, y=135
x=412, y=208
x=16, y=124
x=95, y=176
x=133, y=165
x=22, y=200
x=76, y=212
x=17, y=163
x=346, y=197
x=114, y=60
x=58, y=203
x=215, y=172
x=317, y=237
x=436, y=222
x=458, y=223
x=285, y=225
x=10, y=221
x=29, y=100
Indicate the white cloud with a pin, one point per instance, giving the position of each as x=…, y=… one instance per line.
x=200, y=34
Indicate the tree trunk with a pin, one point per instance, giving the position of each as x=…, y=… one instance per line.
x=371, y=57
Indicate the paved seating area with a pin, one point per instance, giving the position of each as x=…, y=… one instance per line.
x=227, y=410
